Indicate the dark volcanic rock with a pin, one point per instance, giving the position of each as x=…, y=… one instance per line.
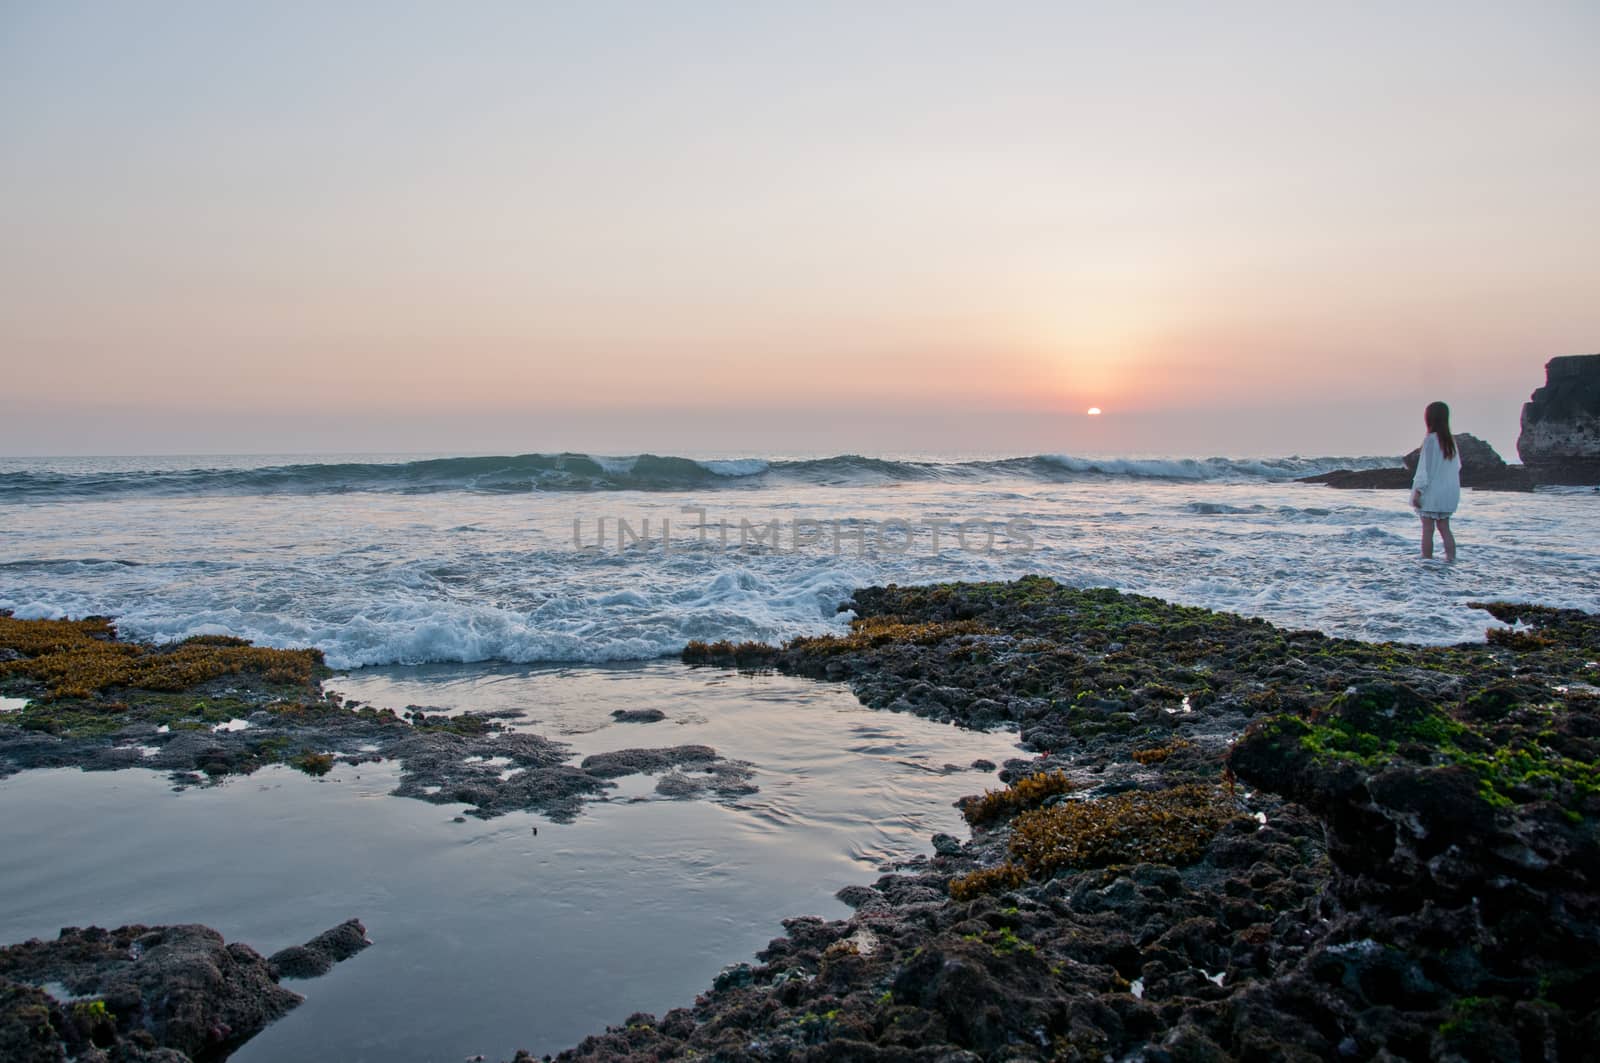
x=1464, y=826
x=317, y=956
x=1481, y=468
x=1374, y=479
x=1410, y=876
x=686, y=771
x=1477, y=457
x=634, y=761
x=446, y=768
x=638, y=715
x=1560, y=440
x=171, y=993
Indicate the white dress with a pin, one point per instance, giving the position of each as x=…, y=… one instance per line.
x=1438, y=478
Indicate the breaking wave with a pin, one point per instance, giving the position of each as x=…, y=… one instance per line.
x=573, y=472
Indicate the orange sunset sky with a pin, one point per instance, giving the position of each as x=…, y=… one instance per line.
x=688, y=227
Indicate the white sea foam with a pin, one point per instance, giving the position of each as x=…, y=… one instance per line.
x=35, y=610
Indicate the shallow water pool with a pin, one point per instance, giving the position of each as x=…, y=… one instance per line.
x=489, y=936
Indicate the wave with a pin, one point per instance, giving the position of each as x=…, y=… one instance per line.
x=410, y=618
x=640, y=472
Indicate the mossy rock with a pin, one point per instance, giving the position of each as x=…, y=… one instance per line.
x=1028, y=792
x=1171, y=826
x=83, y=658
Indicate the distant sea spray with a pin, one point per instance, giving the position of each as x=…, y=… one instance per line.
x=572, y=472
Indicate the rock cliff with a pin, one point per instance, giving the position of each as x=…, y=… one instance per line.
x=1560, y=440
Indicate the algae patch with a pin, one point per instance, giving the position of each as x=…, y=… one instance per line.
x=83, y=658
x=1029, y=792
x=1171, y=826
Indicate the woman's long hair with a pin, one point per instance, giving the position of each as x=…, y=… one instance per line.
x=1437, y=418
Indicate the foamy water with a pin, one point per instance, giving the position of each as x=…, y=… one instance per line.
x=518, y=559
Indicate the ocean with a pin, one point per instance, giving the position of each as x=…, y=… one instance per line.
x=579, y=558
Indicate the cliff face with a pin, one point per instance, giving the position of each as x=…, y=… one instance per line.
x=1560, y=440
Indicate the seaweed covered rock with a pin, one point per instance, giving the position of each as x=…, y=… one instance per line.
x=170, y=993
x=81, y=658
x=201, y=708
x=1435, y=800
x=1464, y=830
x=213, y=706
x=1091, y=962
x=1394, y=861
x=751, y=656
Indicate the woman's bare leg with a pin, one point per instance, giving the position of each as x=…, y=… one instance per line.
x=1427, y=537
x=1449, y=540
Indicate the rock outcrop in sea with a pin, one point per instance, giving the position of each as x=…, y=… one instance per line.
x=1482, y=468
x=1560, y=440
x=1478, y=459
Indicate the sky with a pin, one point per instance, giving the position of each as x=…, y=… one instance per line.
x=732, y=228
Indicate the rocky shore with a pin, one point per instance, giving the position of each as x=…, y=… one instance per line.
x=210, y=707
x=1229, y=841
x=1234, y=842
x=150, y=994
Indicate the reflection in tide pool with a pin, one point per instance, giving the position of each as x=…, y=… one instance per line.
x=489, y=936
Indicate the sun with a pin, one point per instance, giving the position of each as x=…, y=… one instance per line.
x=1094, y=411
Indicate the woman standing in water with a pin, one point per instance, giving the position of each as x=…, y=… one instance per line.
x=1436, y=489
